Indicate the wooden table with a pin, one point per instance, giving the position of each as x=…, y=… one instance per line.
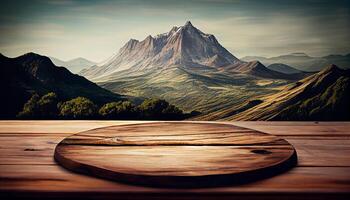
x=27, y=168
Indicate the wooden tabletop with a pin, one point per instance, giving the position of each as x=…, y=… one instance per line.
x=27, y=167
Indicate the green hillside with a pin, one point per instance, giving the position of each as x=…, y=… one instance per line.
x=201, y=89
x=322, y=96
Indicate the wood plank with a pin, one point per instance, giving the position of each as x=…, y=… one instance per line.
x=56, y=126
x=322, y=152
x=56, y=179
x=299, y=128
x=274, y=128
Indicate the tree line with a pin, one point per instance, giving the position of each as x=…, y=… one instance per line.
x=50, y=107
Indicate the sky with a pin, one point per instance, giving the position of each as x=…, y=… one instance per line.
x=96, y=29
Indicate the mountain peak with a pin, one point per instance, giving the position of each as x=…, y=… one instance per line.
x=188, y=24
x=130, y=44
x=132, y=40
x=328, y=75
x=30, y=54
x=330, y=68
x=299, y=54
x=333, y=66
x=256, y=62
x=258, y=66
x=29, y=57
x=149, y=37
x=78, y=58
x=189, y=27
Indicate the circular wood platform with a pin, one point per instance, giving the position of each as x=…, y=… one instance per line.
x=176, y=154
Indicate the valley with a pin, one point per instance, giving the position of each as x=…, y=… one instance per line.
x=203, y=91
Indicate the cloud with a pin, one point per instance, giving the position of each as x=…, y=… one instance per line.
x=280, y=33
x=97, y=29
x=58, y=2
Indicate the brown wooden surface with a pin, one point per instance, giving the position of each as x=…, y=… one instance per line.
x=176, y=154
x=27, y=166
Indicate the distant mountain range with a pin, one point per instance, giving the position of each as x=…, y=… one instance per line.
x=74, y=65
x=283, y=68
x=255, y=68
x=304, y=62
x=32, y=73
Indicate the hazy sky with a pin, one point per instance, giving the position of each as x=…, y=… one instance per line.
x=96, y=29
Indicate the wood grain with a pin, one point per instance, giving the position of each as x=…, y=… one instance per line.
x=27, y=168
x=176, y=154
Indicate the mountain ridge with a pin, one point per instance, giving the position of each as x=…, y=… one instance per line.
x=322, y=96
x=74, y=65
x=283, y=68
x=304, y=62
x=31, y=73
x=256, y=68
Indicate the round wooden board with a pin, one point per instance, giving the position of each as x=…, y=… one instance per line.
x=176, y=154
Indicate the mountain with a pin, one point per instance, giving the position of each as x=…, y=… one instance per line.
x=32, y=73
x=283, y=68
x=255, y=68
x=185, y=46
x=322, y=96
x=304, y=62
x=188, y=68
x=74, y=65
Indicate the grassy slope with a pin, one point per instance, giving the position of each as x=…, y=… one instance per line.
x=201, y=89
x=323, y=96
